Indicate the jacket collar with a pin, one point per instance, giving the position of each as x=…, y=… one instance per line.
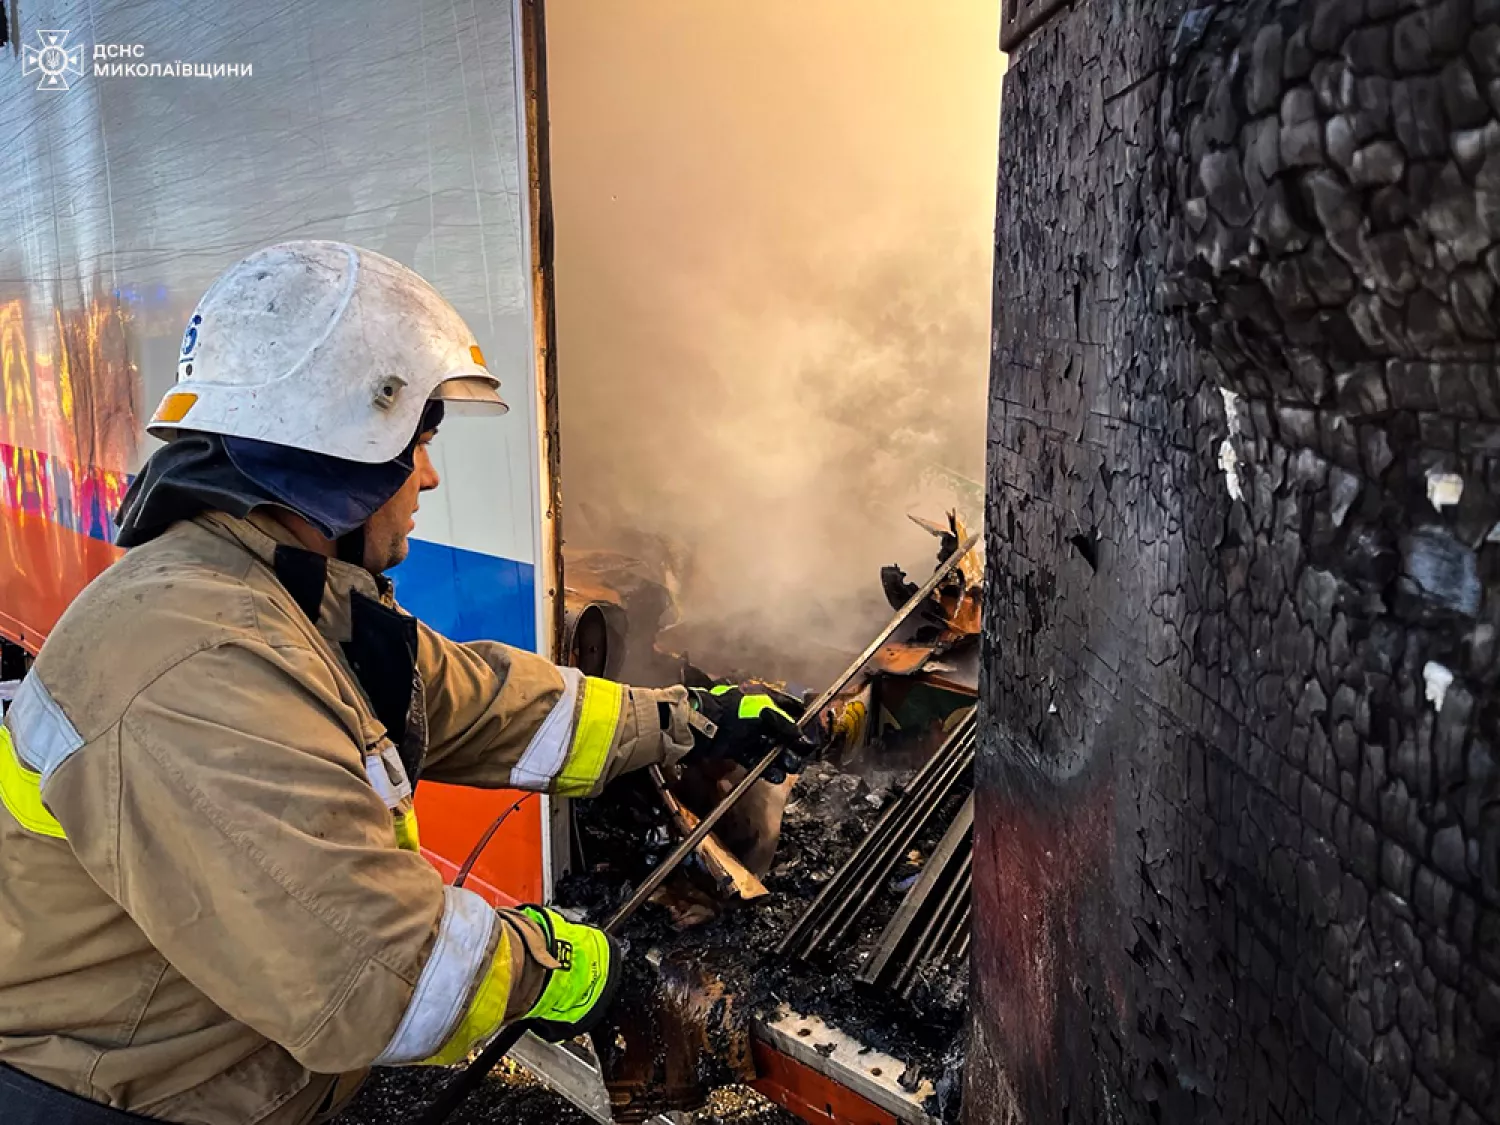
x=322, y=586
x=355, y=612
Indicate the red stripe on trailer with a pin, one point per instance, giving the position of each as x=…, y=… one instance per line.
x=43, y=566
x=813, y=1097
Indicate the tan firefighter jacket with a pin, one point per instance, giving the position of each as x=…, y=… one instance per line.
x=211, y=904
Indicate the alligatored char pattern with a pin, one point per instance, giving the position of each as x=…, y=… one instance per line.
x=1238, y=844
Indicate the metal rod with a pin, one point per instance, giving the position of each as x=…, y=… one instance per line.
x=705, y=826
x=961, y=927
x=465, y=1082
x=914, y=603
x=861, y=883
x=864, y=887
x=898, y=928
x=452, y=1095
x=932, y=933
x=880, y=846
x=875, y=839
x=918, y=820
x=935, y=930
x=959, y=915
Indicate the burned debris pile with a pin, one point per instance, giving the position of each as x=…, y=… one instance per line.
x=511, y=1096
x=851, y=891
x=736, y=943
x=846, y=891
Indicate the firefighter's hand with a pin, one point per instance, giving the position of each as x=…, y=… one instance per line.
x=728, y=723
x=576, y=996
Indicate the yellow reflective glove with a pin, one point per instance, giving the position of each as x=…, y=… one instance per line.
x=575, y=996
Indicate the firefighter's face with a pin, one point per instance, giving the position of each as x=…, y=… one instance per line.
x=387, y=530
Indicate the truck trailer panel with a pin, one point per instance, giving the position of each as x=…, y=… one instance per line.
x=147, y=146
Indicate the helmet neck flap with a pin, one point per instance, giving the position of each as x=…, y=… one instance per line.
x=198, y=472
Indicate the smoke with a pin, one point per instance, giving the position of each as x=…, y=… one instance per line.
x=773, y=279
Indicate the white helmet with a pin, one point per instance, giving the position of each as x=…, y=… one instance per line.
x=324, y=347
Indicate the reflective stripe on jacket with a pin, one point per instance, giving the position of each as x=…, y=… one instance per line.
x=210, y=900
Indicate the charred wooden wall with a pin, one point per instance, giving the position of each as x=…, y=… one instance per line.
x=1238, y=849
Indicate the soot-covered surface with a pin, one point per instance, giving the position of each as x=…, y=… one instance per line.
x=829, y=814
x=1238, y=844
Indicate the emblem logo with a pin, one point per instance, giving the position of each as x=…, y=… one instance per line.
x=54, y=59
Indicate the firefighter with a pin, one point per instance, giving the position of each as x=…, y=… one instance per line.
x=212, y=905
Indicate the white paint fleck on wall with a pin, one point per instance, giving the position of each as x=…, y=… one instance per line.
x=1229, y=460
x=1438, y=680
x=1444, y=489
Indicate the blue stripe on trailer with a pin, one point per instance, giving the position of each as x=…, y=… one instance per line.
x=468, y=596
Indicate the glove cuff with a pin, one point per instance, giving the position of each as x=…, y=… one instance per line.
x=575, y=995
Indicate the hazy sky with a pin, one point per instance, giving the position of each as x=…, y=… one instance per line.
x=774, y=240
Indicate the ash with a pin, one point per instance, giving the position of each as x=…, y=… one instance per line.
x=830, y=812
x=514, y=1096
